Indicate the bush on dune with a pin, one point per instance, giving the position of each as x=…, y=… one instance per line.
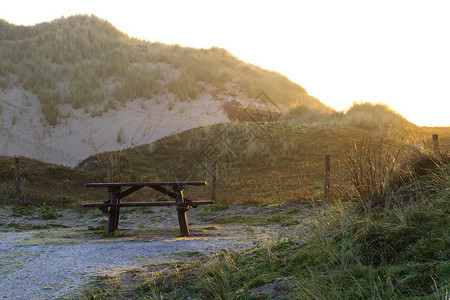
x=364, y=115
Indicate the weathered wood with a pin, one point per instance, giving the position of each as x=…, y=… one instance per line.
x=183, y=222
x=112, y=206
x=150, y=184
x=17, y=160
x=113, y=211
x=327, y=177
x=129, y=191
x=436, y=143
x=139, y=204
x=172, y=194
x=214, y=181
x=181, y=211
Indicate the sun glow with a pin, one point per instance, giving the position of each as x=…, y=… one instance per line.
x=393, y=52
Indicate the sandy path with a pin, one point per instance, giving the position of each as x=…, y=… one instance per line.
x=53, y=270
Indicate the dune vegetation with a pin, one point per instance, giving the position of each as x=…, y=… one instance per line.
x=86, y=62
x=360, y=114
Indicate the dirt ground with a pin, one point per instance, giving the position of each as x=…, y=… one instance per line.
x=58, y=257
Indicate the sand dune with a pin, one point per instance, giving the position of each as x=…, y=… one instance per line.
x=23, y=132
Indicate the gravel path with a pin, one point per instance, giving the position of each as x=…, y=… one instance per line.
x=47, y=271
x=58, y=260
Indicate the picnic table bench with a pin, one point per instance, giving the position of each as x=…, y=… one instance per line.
x=113, y=205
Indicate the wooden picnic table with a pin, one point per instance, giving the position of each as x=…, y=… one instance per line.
x=113, y=205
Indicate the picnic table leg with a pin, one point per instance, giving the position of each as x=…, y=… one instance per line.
x=116, y=220
x=113, y=211
x=181, y=211
x=182, y=220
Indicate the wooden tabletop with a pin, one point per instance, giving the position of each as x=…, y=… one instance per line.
x=142, y=184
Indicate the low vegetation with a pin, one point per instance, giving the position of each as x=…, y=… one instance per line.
x=385, y=235
x=357, y=247
x=261, y=162
x=360, y=114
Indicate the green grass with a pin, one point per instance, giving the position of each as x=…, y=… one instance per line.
x=18, y=211
x=36, y=177
x=259, y=221
x=13, y=225
x=208, y=209
x=48, y=213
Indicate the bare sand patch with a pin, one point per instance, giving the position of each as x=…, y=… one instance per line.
x=23, y=132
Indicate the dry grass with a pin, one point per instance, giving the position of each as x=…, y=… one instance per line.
x=260, y=163
x=374, y=116
x=85, y=52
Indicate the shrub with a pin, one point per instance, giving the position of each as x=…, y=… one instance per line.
x=374, y=115
x=18, y=211
x=311, y=114
x=47, y=213
x=371, y=166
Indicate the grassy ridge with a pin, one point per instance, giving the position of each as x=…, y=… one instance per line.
x=41, y=183
x=261, y=163
x=390, y=241
x=76, y=60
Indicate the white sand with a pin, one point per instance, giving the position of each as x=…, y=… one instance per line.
x=78, y=135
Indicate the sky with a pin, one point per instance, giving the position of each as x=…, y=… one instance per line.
x=394, y=52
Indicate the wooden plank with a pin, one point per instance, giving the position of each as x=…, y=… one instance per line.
x=138, y=204
x=120, y=184
x=171, y=194
x=129, y=191
x=164, y=191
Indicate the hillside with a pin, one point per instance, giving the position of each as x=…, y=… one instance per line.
x=260, y=162
x=67, y=89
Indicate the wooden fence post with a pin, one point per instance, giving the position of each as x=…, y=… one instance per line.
x=436, y=143
x=110, y=174
x=214, y=180
x=326, y=191
x=17, y=177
